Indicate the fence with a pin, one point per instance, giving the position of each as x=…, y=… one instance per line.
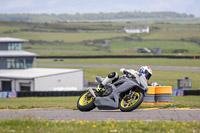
x=119, y=56
x=150, y=97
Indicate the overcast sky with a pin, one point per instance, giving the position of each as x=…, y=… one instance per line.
x=95, y=6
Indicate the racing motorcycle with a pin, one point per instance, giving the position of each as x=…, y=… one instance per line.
x=126, y=93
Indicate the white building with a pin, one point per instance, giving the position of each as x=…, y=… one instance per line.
x=17, y=74
x=41, y=79
x=140, y=29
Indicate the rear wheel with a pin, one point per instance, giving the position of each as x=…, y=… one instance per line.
x=128, y=104
x=85, y=103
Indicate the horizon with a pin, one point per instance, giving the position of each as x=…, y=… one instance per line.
x=91, y=6
x=101, y=12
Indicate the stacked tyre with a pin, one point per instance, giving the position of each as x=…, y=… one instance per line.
x=163, y=94
x=158, y=95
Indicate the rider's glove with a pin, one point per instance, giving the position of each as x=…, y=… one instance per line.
x=122, y=70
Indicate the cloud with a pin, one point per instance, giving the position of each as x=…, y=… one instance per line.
x=15, y=4
x=88, y=6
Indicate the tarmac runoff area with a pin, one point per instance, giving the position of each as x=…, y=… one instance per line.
x=176, y=68
x=150, y=114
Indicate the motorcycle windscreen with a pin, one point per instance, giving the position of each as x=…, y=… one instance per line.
x=147, y=75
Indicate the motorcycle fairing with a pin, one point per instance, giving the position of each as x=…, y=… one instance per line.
x=125, y=84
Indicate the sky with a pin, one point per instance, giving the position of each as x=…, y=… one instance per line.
x=96, y=6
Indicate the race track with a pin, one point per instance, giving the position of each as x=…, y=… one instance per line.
x=176, y=68
x=100, y=115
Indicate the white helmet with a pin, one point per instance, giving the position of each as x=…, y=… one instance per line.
x=147, y=71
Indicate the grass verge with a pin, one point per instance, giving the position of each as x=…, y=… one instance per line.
x=78, y=126
x=70, y=103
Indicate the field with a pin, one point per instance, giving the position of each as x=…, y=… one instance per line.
x=166, y=46
x=70, y=102
x=67, y=37
x=74, y=126
x=173, y=35
x=90, y=38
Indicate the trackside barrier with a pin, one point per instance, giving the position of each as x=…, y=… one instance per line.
x=158, y=95
x=49, y=93
x=191, y=92
x=177, y=92
x=151, y=96
x=8, y=94
x=117, y=56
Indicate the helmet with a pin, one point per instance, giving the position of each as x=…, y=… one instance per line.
x=147, y=71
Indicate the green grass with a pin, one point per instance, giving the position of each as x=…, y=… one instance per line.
x=82, y=31
x=60, y=49
x=7, y=28
x=67, y=37
x=165, y=77
x=79, y=126
x=38, y=102
x=70, y=102
x=116, y=47
x=166, y=46
x=188, y=101
x=172, y=35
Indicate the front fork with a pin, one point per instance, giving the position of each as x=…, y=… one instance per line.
x=131, y=95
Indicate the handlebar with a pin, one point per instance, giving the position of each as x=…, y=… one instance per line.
x=127, y=73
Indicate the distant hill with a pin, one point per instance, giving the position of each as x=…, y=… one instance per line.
x=91, y=16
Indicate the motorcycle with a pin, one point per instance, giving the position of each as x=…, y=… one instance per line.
x=126, y=94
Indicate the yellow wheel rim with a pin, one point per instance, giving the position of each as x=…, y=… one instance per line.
x=132, y=102
x=83, y=101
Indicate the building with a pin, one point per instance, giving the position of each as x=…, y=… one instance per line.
x=17, y=74
x=41, y=79
x=140, y=29
x=11, y=55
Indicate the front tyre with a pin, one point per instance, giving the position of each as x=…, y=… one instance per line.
x=84, y=103
x=127, y=105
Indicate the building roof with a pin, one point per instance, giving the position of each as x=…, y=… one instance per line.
x=17, y=53
x=33, y=72
x=10, y=39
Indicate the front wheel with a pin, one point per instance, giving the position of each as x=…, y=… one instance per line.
x=85, y=103
x=129, y=104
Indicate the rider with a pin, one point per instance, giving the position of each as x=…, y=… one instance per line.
x=112, y=77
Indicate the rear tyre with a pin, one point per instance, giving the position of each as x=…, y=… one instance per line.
x=84, y=103
x=131, y=104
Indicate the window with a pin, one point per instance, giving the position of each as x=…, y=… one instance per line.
x=19, y=63
x=14, y=46
x=11, y=63
x=29, y=63
x=25, y=87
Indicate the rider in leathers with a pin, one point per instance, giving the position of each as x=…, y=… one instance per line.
x=144, y=74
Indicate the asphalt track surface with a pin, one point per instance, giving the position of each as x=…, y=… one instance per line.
x=176, y=68
x=183, y=114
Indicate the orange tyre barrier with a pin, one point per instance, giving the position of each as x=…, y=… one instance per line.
x=151, y=90
x=158, y=95
x=163, y=90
